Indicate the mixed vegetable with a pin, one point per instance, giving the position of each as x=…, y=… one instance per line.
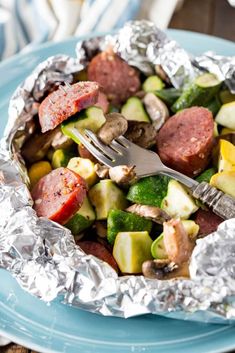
x=146, y=226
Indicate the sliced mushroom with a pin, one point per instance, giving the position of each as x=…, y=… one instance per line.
x=122, y=174
x=156, y=109
x=158, y=269
x=37, y=146
x=177, y=242
x=151, y=212
x=102, y=171
x=61, y=141
x=142, y=133
x=115, y=126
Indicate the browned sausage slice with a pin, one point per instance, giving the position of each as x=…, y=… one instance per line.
x=65, y=102
x=59, y=195
x=208, y=222
x=98, y=250
x=117, y=79
x=186, y=140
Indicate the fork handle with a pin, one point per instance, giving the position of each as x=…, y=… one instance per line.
x=223, y=205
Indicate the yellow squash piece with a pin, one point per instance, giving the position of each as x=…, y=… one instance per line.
x=85, y=168
x=37, y=171
x=216, y=132
x=225, y=182
x=226, y=156
x=226, y=115
x=226, y=131
x=131, y=249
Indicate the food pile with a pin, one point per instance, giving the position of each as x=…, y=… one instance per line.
x=146, y=226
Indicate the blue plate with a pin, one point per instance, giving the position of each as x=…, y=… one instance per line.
x=60, y=328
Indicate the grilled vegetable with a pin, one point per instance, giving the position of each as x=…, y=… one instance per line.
x=60, y=158
x=225, y=182
x=214, y=105
x=226, y=156
x=226, y=115
x=226, y=96
x=153, y=83
x=121, y=221
x=37, y=171
x=133, y=109
x=85, y=168
x=199, y=93
x=131, y=249
x=92, y=118
x=206, y=175
x=149, y=191
x=178, y=203
x=83, y=219
x=169, y=95
x=105, y=196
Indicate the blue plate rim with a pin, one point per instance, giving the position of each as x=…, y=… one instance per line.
x=72, y=40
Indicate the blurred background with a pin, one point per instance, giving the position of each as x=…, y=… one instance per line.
x=26, y=23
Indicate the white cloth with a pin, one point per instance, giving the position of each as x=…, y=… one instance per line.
x=26, y=23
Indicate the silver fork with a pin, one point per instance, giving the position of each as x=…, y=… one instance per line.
x=123, y=152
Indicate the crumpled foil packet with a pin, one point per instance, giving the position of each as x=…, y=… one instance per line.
x=42, y=255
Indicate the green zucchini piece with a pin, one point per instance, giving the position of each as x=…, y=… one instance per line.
x=149, y=191
x=214, y=105
x=131, y=249
x=158, y=249
x=178, y=203
x=226, y=96
x=133, y=109
x=169, y=95
x=83, y=219
x=206, y=175
x=85, y=168
x=226, y=115
x=105, y=196
x=198, y=93
x=60, y=158
x=121, y=221
x=153, y=83
x=91, y=118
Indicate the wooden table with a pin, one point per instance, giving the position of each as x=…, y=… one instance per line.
x=215, y=17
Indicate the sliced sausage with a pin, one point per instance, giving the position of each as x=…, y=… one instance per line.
x=59, y=195
x=103, y=102
x=117, y=79
x=208, y=222
x=65, y=102
x=98, y=250
x=186, y=140
x=177, y=242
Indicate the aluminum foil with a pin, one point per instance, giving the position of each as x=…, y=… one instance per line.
x=222, y=66
x=42, y=255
